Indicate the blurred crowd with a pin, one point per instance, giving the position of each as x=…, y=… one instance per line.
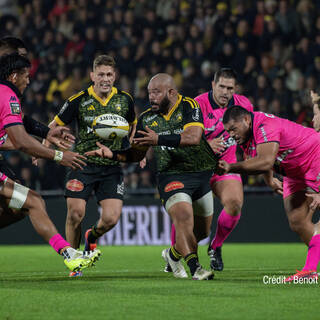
x=273, y=45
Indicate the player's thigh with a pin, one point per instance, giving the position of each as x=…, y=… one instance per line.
x=181, y=212
x=111, y=209
x=297, y=207
x=229, y=191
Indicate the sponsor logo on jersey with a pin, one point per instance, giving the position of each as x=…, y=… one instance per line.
x=174, y=185
x=150, y=118
x=15, y=107
x=91, y=108
x=264, y=134
x=74, y=185
x=210, y=115
x=12, y=98
x=85, y=103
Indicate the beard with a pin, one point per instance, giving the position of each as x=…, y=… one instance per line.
x=163, y=106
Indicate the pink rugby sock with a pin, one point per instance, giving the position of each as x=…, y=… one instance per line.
x=226, y=223
x=173, y=235
x=58, y=243
x=313, y=255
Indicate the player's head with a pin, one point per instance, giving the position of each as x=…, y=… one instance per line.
x=10, y=45
x=103, y=74
x=15, y=69
x=223, y=86
x=237, y=122
x=162, y=92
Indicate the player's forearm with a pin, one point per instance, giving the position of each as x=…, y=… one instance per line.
x=130, y=155
x=52, y=124
x=190, y=139
x=27, y=144
x=252, y=166
x=268, y=177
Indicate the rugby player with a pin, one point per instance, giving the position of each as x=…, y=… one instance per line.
x=173, y=126
x=14, y=78
x=104, y=176
x=291, y=150
x=213, y=105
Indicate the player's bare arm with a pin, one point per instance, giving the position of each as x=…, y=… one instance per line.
x=134, y=154
x=190, y=136
x=274, y=183
x=26, y=143
x=262, y=163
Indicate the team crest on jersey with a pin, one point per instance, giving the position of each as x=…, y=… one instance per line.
x=15, y=107
x=118, y=106
x=179, y=117
x=196, y=114
x=174, y=185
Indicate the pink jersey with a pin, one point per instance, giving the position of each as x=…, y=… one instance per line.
x=10, y=109
x=299, y=147
x=212, y=119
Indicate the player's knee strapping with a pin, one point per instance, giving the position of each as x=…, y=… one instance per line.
x=19, y=196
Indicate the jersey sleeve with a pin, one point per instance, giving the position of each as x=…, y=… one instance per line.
x=131, y=116
x=68, y=112
x=139, y=127
x=267, y=131
x=10, y=111
x=192, y=114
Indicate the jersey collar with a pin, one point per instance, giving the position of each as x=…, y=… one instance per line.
x=102, y=102
x=214, y=105
x=168, y=116
x=11, y=86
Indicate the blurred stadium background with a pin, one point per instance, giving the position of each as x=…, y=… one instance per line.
x=273, y=45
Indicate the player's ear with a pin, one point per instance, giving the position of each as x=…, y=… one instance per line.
x=92, y=76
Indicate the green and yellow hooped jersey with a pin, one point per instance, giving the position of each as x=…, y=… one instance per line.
x=186, y=112
x=84, y=107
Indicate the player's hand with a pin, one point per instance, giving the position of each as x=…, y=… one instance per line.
x=103, y=151
x=315, y=98
x=150, y=138
x=222, y=168
x=143, y=163
x=217, y=145
x=276, y=185
x=61, y=137
x=73, y=160
x=315, y=197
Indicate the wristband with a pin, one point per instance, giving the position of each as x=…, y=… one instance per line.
x=114, y=156
x=171, y=140
x=58, y=155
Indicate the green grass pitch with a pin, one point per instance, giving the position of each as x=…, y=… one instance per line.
x=128, y=283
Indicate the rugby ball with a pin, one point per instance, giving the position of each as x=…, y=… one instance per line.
x=110, y=126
